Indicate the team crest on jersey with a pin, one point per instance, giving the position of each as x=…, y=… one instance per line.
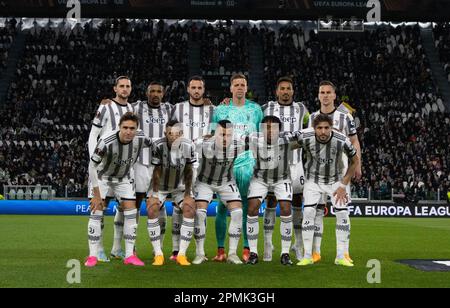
x=333, y=151
x=99, y=152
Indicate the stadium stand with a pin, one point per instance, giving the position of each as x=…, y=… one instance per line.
x=7, y=33
x=64, y=72
x=224, y=49
x=442, y=41
x=386, y=75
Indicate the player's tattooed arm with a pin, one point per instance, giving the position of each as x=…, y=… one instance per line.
x=341, y=192
x=153, y=199
x=156, y=177
x=356, y=144
x=188, y=179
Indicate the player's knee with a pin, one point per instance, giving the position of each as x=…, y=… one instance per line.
x=152, y=210
x=285, y=208
x=188, y=211
x=309, y=213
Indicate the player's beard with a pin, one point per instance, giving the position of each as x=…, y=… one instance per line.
x=196, y=97
x=124, y=97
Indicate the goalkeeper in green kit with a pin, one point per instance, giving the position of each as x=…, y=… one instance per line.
x=246, y=117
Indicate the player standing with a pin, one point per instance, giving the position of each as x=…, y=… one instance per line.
x=246, y=117
x=344, y=123
x=172, y=158
x=107, y=120
x=195, y=115
x=294, y=116
x=109, y=171
x=153, y=116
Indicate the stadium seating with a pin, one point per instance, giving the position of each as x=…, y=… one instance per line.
x=7, y=34
x=64, y=72
x=224, y=49
x=386, y=75
x=442, y=38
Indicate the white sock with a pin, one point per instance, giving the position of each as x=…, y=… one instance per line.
x=270, y=216
x=318, y=233
x=308, y=230
x=235, y=230
x=200, y=231
x=94, y=232
x=177, y=219
x=101, y=248
x=187, y=231
x=286, y=233
x=253, y=233
x=342, y=232
x=118, y=232
x=163, y=223
x=297, y=221
x=154, y=232
x=130, y=231
x=347, y=244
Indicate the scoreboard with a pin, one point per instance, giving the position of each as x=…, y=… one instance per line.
x=391, y=10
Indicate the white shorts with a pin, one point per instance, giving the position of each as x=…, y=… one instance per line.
x=325, y=196
x=227, y=193
x=259, y=190
x=177, y=196
x=109, y=194
x=122, y=191
x=143, y=176
x=313, y=194
x=297, y=178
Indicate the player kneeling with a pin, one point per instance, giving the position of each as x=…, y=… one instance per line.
x=109, y=170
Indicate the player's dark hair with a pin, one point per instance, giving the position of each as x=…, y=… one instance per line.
x=225, y=124
x=156, y=83
x=322, y=118
x=172, y=123
x=285, y=79
x=327, y=83
x=237, y=76
x=272, y=119
x=196, y=78
x=121, y=78
x=129, y=116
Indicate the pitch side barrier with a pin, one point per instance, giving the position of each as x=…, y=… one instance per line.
x=365, y=209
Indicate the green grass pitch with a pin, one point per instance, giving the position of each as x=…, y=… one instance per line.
x=35, y=250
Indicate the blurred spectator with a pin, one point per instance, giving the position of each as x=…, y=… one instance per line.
x=224, y=49
x=442, y=41
x=385, y=73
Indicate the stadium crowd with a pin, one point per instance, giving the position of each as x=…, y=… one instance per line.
x=62, y=76
x=386, y=75
x=383, y=74
x=224, y=49
x=442, y=42
x=7, y=34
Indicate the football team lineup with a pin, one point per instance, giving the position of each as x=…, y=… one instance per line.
x=238, y=151
x=145, y=153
